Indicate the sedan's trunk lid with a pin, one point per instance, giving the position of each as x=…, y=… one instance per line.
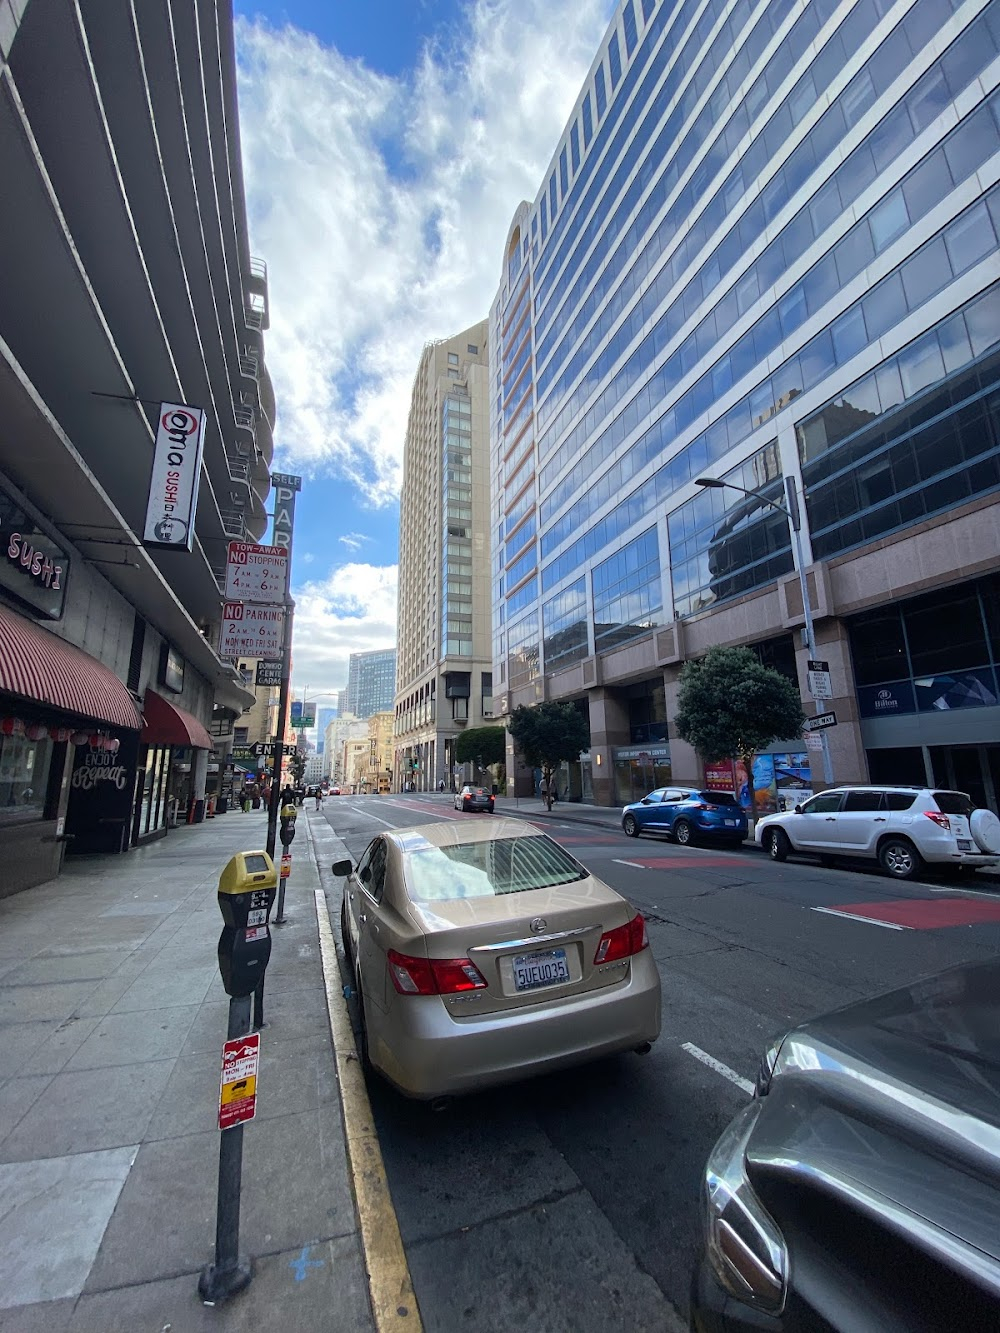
x=531, y=947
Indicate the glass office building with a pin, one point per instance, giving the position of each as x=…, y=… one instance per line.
x=765, y=251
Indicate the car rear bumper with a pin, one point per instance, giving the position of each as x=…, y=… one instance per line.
x=426, y=1053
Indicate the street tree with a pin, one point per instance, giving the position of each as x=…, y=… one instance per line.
x=486, y=745
x=731, y=706
x=548, y=735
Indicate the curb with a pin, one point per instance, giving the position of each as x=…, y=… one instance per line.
x=390, y=1287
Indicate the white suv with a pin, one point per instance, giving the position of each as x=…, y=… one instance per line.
x=900, y=827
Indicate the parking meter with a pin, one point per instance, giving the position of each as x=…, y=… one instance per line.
x=287, y=831
x=246, y=894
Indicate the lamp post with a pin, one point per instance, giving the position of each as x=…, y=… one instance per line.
x=791, y=512
x=320, y=694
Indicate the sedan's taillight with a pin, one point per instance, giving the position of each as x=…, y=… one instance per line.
x=939, y=819
x=623, y=941
x=433, y=976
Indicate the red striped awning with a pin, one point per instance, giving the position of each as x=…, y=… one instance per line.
x=164, y=723
x=36, y=664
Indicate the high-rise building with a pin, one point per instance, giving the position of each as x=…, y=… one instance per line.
x=128, y=297
x=444, y=674
x=324, y=716
x=371, y=681
x=765, y=252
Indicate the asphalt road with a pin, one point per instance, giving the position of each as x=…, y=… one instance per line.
x=571, y=1202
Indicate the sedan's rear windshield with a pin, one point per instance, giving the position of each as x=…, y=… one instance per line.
x=488, y=868
x=953, y=803
x=718, y=797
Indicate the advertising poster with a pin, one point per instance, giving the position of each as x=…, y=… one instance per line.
x=793, y=777
x=719, y=776
x=765, y=791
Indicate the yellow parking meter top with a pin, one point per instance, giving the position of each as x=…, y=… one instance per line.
x=288, y=812
x=247, y=871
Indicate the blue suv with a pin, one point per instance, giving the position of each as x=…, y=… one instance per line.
x=685, y=815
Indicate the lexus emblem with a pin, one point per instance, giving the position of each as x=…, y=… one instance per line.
x=538, y=925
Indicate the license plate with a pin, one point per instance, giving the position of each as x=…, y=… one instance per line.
x=730, y=823
x=532, y=970
x=964, y=845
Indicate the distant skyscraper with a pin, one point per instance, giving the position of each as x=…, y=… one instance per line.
x=371, y=682
x=324, y=716
x=445, y=674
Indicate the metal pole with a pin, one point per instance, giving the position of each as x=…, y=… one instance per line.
x=277, y=746
x=227, y=1275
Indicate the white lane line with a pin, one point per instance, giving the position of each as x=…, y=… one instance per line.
x=719, y=1067
x=864, y=920
x=637, y=864
x=963, y=893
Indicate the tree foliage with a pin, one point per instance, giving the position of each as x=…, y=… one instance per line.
x=731, y=706
x=485, y=745
x=548, y=735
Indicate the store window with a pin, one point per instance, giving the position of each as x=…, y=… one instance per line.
x=24, y=777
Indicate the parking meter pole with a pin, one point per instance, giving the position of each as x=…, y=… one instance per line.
x=246, y=892
x=258, y=1008
x=229, y=1275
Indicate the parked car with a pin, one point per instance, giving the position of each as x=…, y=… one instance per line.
x=474, y=798
x=334, y=791
x=484, y=953
x=860, y=1189
x=685, y=815
x=900, y=827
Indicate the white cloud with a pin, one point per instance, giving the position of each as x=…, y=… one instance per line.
x=353, y=609
x=381, y=206
x=354, y=540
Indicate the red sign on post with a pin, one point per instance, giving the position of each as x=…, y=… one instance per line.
x=238, y=1090
x=719, y=776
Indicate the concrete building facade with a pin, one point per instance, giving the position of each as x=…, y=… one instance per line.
x=126, y=283
x=444, y=680
x=765, y=252
x=338, y=731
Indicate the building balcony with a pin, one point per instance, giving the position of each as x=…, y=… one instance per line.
x=257, y=304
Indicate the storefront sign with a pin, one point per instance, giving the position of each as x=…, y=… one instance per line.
x=250, y=629
x=33, y=566
x=268, y=675
x=256, y=573
x=284, y=489
x=886, y=700
x=173, y=487
x=172, y=670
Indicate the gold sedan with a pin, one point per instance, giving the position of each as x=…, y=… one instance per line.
x=484, y=953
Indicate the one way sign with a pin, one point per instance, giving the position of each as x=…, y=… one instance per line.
x=821, y=721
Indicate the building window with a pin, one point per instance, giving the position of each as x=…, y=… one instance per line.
x=24, y=777
x=472, y=349
x=564, y=627
x=487, y=693
x=588, y=121
x=574, y=147
x=723, y=544
x=614, y=60
x=553, y=198
x=453, y=358
x=563, y=174
x=628, y=21
x=628, y=598
x=241, y=735
x=599, y=90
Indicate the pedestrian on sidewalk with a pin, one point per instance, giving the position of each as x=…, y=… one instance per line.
x=319, y=797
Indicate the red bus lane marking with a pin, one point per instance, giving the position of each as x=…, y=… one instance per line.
x=924, y=913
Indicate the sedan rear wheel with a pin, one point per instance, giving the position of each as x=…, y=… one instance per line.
x=899, y=858
x=683, y=833
x=777, y=845
x=631, y=826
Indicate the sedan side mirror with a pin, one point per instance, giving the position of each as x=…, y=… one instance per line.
x=798, y=809
x=342, y=868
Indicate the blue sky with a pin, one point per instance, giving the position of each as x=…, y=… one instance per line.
x=386, y=145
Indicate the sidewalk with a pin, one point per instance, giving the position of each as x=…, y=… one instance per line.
x=112, y=1019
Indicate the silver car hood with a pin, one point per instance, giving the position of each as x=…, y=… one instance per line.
x=893, y=1105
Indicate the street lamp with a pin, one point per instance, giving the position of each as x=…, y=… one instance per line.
x=791, y=512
